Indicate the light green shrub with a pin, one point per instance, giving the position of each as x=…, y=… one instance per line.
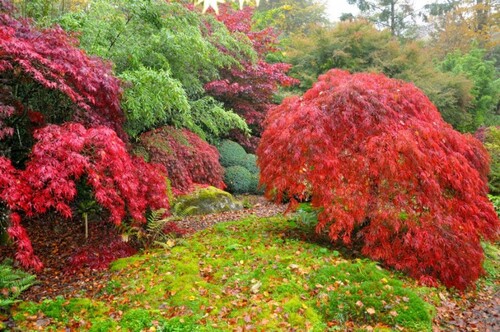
x=492, y=144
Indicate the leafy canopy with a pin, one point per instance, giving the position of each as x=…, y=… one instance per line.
x=486, y=84
x=60, y=126
x=357, y=46
x=167, y=52
x=65, y=155
x=385, y=172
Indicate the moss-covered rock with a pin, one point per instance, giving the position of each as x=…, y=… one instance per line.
x=204, y=201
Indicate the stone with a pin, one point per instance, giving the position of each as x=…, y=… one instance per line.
x=205, y=201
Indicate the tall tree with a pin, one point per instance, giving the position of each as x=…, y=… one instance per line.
x=291, y=16
x=396, y=15
x=461, y=25
x=358, y=46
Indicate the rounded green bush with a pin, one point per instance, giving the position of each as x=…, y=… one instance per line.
x=254, y=185
x=238, y=179
x=250, y=163
x=231, y=154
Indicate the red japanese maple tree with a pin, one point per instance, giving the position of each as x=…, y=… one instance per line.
x=386, y=172
x=47, y=81
x=125, y=186
x=189, y=160
x=249, y=90
x=34, y=61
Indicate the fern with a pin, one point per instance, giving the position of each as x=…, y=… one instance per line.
x=156, y=223
x=161, y=231
x=12, y=283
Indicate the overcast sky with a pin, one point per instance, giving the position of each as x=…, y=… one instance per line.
x=335, y=8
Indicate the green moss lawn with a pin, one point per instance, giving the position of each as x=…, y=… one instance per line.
x=253, y=274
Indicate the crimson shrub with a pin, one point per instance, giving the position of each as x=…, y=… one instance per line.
x=385, y=172
x=188, y=159
x=249, y=88
x=125, y=186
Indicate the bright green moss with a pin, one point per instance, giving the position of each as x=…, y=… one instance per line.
x=251, y=268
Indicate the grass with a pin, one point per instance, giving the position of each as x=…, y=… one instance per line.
x=246, y=273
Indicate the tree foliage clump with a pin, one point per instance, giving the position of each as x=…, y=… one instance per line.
x=47, y=79
x=463, y=24
x=167, y=53
x=386, y=172
x=189, y=160
x=486, y=84
x=248, y=88
x=61, y=126
x=490, y=136
x=64, y=155
x=359, y=47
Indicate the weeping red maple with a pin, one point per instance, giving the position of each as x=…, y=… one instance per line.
x=386, y=172
x=46, y=81
x=189, y=160
x=125, y=186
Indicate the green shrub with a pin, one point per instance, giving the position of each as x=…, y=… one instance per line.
x=238, y=179
x=254, y=185
x=496, y=202
x=231, y=154
x=12, y=283
x=250, y=163
x=154, y=98
x=492, y=144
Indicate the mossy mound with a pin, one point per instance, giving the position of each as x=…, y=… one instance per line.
x=205, y=201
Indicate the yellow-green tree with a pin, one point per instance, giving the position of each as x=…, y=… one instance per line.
x=359, y=47
x=461, y=25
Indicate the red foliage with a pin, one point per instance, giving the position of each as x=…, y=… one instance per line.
x=123, y=185
x=99, y=258
x=173, y=228
x=188, y=159
x=51, y=60
x=386, y=172
x=249, y=90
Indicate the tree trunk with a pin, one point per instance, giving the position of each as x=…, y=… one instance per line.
x=393, y=17
x=481, y=14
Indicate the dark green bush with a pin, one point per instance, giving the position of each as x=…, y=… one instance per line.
x=231, y=153
x=250, y=163
x=254, y=185
x=238, y=179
